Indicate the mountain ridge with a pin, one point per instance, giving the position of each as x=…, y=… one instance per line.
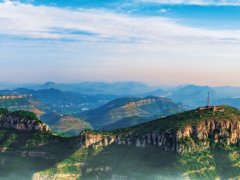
x=126, y=107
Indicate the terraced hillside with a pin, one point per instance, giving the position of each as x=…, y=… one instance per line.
x=27, y=103
x=127, y=107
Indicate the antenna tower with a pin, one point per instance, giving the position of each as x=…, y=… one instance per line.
x=208, y=102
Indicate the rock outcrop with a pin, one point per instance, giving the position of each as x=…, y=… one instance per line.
x=19, y=96
x=7, y=121
x=69, y=176
x=191, y=138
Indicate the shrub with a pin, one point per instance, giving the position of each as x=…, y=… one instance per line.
x=3, y=111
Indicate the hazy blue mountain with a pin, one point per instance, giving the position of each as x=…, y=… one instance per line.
x=227, y=91
x=118, y=88
x=4, y=92
x=193, y=96
x=158, y=93
x=8, y=85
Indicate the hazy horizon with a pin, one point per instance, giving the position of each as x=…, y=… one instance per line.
x=150, y=84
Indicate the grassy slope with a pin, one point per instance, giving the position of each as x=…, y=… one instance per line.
x=127, y=122
x=123, y=107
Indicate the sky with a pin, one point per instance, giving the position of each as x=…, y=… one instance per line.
x=153, y=41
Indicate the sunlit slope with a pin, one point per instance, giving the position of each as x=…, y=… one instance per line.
x=65, y=124
x=135, y=120
x=127, y=107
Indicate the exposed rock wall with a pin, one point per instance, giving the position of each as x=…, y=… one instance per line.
x=146, y=102
x=69, y=176
x=196, y=137
x=7, y=121
x=15, y=96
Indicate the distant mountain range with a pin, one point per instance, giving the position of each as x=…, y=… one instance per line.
x=194, y=96
x=76, y=97
x=117, y=88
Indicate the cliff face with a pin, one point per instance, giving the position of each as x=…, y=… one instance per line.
x=191, y=138
x=148, y=101
x=7, y=121
x=15, y=96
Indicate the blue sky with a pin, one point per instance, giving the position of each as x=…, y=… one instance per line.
x=161, y=41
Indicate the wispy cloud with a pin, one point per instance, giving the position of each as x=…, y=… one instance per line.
x=197, y=2
x=132, y=10
x=162, y=10
x=102, y=29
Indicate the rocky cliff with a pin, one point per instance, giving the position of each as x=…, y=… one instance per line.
x=9, y=121
x=213, y=129
x=19, y=96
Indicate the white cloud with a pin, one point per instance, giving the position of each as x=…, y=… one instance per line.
x=197, y=2
x=98, y=29
x=132, y=10
x=162, y=10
